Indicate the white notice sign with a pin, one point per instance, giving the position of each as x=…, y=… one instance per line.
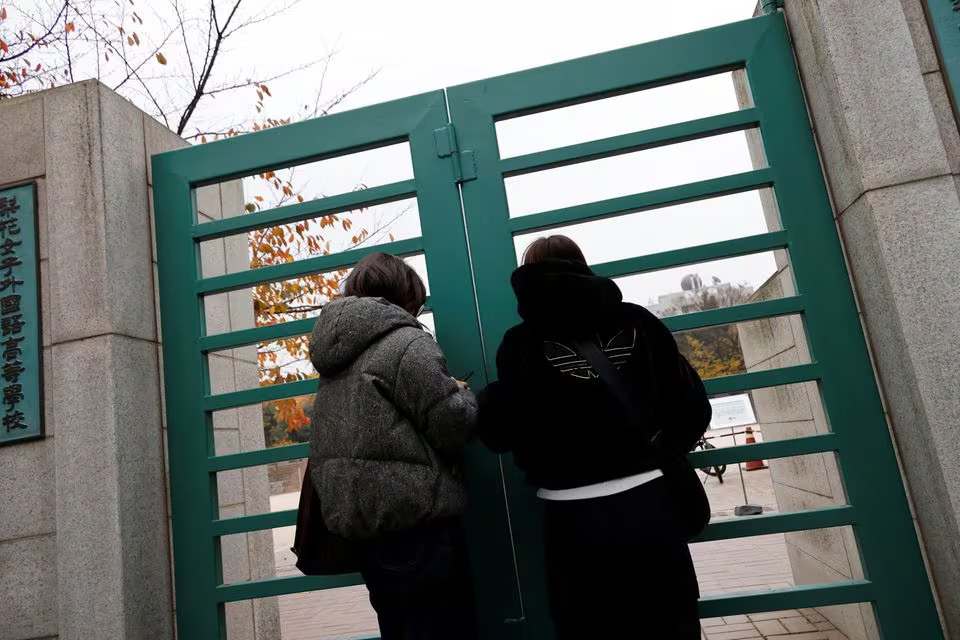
x=732, y=411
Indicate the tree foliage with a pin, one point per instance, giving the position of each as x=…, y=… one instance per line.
x=286, y=359
x=715, y=351
x=276, y=432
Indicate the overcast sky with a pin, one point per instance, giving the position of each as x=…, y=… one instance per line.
x=424, y=45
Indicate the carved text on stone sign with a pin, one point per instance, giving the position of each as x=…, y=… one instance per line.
x=11, y=320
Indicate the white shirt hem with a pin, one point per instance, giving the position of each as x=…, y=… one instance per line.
x=602, y=489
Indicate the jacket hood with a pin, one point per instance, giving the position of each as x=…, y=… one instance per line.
x=563, y=293
x=348, y=326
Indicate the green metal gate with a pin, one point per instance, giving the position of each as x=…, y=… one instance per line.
x=473, y=305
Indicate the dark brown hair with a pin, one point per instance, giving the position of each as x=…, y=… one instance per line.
x=381, y=275
x=553, y=248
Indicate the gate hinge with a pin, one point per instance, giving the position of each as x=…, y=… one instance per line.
x=464, y=162
x=771, y=6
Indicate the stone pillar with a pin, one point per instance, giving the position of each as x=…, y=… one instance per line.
x=112, y=551
x=84, y=513
x=28, y=523
x=890, y=149
x=803, y=482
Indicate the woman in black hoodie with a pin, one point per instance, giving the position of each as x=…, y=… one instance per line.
x=617, y=561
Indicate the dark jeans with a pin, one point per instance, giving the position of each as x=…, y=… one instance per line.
x=420, y=583
x=616, y=568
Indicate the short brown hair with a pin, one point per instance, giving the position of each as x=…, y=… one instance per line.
x=381, y=275
x=553, y=248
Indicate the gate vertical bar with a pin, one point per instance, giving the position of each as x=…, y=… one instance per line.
x=458, y=332
x=888, y=543
x=192, y=491
x=493, y=262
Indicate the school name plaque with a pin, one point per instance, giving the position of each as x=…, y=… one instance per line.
x=21, y=358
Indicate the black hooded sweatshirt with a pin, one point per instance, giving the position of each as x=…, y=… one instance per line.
x=564, y=426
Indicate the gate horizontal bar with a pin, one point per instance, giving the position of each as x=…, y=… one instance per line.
x=644, y=66
x=691, y=255
x=266, y=333
x=300, y=268
x=305, y=211
x=761, y=379
x=630, y=142
x=282, y=586
x=745, y=526
x=773, y=523
x=243, y=524
x=679, y=194
x=802, y=597
x=302, y=142
x=268, y=393
x=258, y=457
x=806, y=445
x=738, y=313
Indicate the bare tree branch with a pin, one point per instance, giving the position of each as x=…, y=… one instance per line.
x=332, y=104
x=384, y=228
x=209, y=65
x=206, y=54
x=186, y=43
x=96, y=41
x=321, y=109
x=66, y=41
x=323, y=80
x=146, y=89
x=250, y=83
x=213, y=16
x=134, y=72
x=37, y=41
x=268, y=14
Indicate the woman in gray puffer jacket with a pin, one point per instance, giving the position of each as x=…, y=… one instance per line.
x=390, y=428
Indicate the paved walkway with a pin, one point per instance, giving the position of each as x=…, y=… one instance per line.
x=755, y=564
x=724, y=566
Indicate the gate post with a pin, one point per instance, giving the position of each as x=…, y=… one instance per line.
x=111, y=551
x=84, y=513
x=890, y=149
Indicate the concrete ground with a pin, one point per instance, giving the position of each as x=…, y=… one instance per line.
x=725, y=566
x=334, y=614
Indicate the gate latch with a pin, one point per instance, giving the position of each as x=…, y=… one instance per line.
x=464, y=162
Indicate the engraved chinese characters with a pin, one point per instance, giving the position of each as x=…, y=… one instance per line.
x=20, y=349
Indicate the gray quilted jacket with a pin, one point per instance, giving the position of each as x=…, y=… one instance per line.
x=390, y=424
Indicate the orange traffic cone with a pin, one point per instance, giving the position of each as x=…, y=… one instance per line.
x=752, y=465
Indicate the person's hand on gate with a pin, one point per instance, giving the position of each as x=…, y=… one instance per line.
x=463, y=382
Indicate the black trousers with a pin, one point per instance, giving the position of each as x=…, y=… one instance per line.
x=617, y=568
x=420, y=583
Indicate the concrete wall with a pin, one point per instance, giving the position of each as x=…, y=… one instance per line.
x=28, y=480
x=286, y=477
x=803, y=482
x=890, y=149
x=84, y=513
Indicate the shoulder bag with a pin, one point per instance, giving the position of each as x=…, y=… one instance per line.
x=319, y=552
x=692, y=507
